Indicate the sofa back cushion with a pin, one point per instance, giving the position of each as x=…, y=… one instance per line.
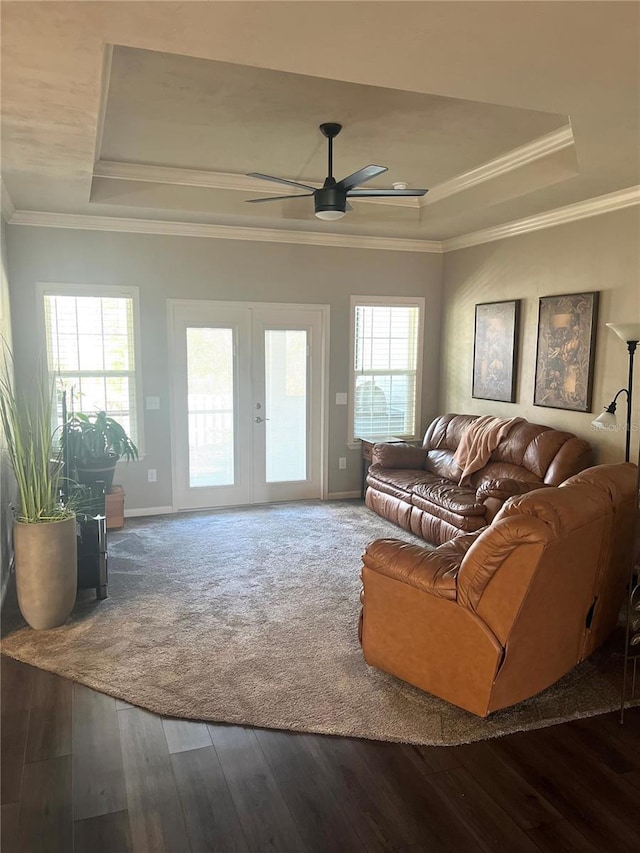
x=535, y=576
x=562, y=510
x=618, y=483
x=543, y=518
x=441, y=441
x=442, y=464
x=529, y=452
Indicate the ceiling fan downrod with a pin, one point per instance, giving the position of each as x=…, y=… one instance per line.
x=330, y=202
x=330, y=129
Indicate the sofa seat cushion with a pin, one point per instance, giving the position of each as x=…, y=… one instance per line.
x=438, y=514
x=457, y=499
x=399, y=482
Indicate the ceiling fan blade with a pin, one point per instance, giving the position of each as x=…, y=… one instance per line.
x=278, y=197
x=383, y=193
x=280, y=180
x=361, y=176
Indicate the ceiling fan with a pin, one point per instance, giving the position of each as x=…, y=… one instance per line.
x=330, y=199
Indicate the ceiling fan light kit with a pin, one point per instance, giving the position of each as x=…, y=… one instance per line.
x=330, y=200
x=330, y=213
x=330, y=203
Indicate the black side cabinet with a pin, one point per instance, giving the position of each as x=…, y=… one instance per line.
x=91, y=530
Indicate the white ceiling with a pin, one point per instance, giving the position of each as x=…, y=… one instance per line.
x=157, y=110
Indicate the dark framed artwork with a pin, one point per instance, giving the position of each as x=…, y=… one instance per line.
x=566, y=351
x=495, y=350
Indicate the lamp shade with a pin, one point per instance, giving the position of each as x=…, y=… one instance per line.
x=607, y=420
x=626, y=331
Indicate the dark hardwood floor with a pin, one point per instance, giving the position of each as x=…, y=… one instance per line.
x=85, y=773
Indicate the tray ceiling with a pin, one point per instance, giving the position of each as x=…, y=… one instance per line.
x=158, y=110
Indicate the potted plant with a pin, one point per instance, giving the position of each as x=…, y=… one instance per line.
x=95, y=443
x=44, y=531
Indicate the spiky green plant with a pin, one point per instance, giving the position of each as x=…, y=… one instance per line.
x=30, y=445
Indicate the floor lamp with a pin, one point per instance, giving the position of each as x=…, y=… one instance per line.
x=630, y=334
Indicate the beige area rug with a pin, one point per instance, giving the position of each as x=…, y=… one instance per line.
x=249, y=616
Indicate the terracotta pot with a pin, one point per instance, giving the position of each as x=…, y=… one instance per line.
x=46, y=571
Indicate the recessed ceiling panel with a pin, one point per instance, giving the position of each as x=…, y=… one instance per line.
x=178, y=111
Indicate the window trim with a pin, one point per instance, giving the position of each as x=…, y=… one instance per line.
x=106, y=291
x=385, y=301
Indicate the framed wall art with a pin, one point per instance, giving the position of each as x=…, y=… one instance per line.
x=566, y=351
x=495, y=350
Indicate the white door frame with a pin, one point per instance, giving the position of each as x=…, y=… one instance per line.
x=176, y=306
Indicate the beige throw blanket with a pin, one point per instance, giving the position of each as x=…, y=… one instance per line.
x=478, y=442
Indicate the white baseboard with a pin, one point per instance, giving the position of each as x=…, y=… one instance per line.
x=148, y=510
x=168, y=510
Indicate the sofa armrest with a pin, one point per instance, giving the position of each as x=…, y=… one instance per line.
x=398, y=456
x=504, y=488
x=432, y=571
x=496, y=544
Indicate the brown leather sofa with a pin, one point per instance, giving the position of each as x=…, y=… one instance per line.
x=491, y=618
x=417, y=487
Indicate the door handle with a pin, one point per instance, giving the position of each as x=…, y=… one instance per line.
x=259, y=420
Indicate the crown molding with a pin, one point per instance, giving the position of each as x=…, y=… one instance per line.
x=177, y=176
x=173, y=176
x=222, y=232
x=543, y=146
x=560, y=216
x=7, y=206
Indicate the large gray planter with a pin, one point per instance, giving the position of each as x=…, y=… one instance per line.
x=46, y=571
x=95, y=470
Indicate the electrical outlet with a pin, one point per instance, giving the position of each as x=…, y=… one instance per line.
x=342, y=462
x=152, y=475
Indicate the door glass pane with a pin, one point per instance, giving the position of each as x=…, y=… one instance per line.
x=210, y=406
x=285, y=357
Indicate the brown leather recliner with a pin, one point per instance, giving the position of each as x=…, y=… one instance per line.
x=417, y=487
x=491, y=618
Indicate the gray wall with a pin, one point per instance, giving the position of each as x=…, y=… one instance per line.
x=600, y=253
x=184, y=267
x=7, y=482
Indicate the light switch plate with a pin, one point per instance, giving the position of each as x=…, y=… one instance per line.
x=341, y=399
x=152, y=402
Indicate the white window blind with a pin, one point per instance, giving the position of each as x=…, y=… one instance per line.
x=91, y=349
x=387, y=342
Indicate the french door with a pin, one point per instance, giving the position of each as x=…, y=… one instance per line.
x=247, y=402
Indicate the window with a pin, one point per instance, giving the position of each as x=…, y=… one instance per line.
x=91, y=347
x=387, y=345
